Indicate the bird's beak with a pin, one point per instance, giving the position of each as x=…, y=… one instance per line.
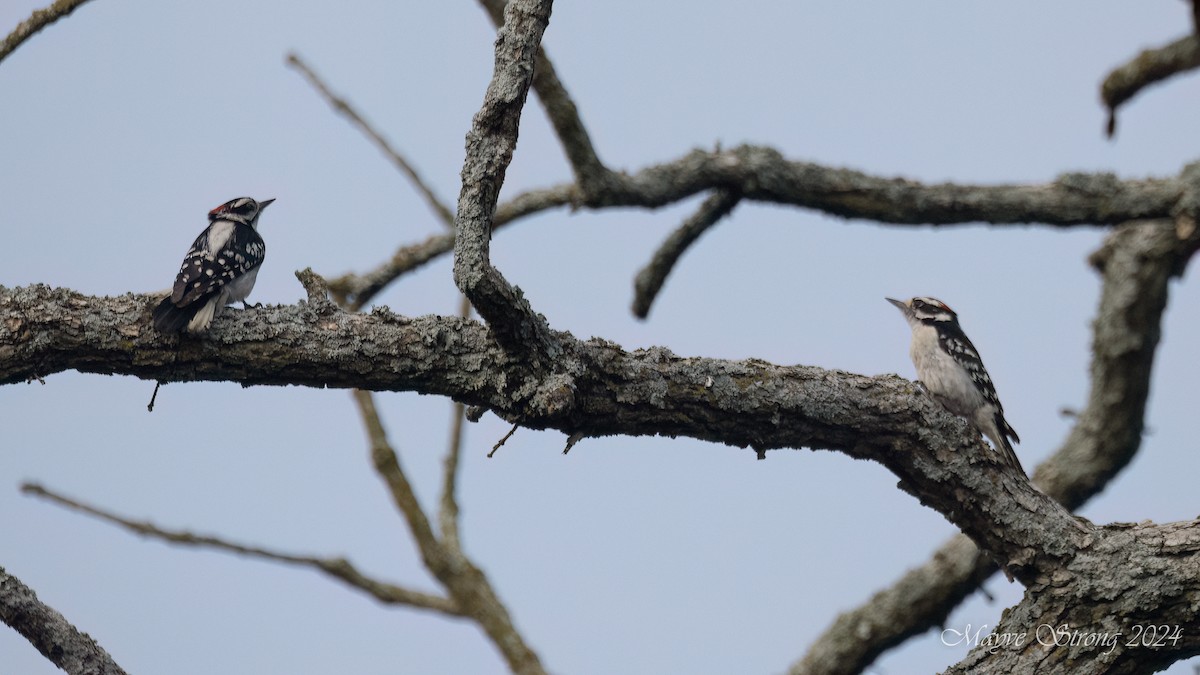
x=266, y=202
x=902, y=306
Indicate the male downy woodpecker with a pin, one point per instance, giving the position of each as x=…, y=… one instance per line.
x=951, y=370
x=218, y=270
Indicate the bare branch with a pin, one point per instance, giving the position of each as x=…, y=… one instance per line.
x=762, y=174
x=361, y=289
x=50, y=633
x=339, y=104
x=647, y=392
x=650, y=280
x=36, y=22
x=490, y=145
x=338, y=568
x=1147, y=68
x=387, y=465
x=1136, y=262
x=503, y=439
x=465, y=583
x=590, y=174
x=448, y=512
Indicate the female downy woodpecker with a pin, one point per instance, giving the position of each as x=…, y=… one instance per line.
x=219, y=270
x=951, y=370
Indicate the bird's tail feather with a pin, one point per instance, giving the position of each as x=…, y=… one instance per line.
x=204, y=316
x=1004, y=447
x=168, y=318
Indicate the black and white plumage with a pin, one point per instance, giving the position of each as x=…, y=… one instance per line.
x=219, y=269
x=950, y=368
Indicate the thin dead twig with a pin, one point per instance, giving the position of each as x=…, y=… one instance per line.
x=339, y=568
x=448, y=512
x=504, y=439
x=344, y=108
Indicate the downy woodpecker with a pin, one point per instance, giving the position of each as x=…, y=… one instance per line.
x=218, y=270
x=949, y=367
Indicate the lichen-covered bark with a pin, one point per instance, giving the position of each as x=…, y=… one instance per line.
x=645, y=392
x=61, y=643
x=490, y=145
x=759, y=173
x=1126, y=603
x=609, y=391
x=1136, y=264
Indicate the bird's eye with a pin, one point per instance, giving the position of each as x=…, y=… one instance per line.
x=244, y=207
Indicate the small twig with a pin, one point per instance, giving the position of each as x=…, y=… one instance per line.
x=1148, y=67
x=37, y=21
x=501, y=442
x=338, y=568
x=572, y=440
x=153, y=397
x=346, y=110
x=650, y=280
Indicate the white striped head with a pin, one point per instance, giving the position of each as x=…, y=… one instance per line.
x=925, y=310
x=242, y=210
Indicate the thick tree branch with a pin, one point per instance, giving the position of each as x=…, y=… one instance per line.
x=590, y=174
x=648, y=392
x=650, y=280
x=1147, y=68
x=762, y=174
x=490, y=145
x=37, y=21
x=338, y=568
x=50, y=633
x=1136, y=263
x=1128, y=603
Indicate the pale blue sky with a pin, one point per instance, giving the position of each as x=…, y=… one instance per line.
x=121, y=126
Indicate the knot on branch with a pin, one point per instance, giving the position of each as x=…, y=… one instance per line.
x=316, y=287
x=554, y=397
